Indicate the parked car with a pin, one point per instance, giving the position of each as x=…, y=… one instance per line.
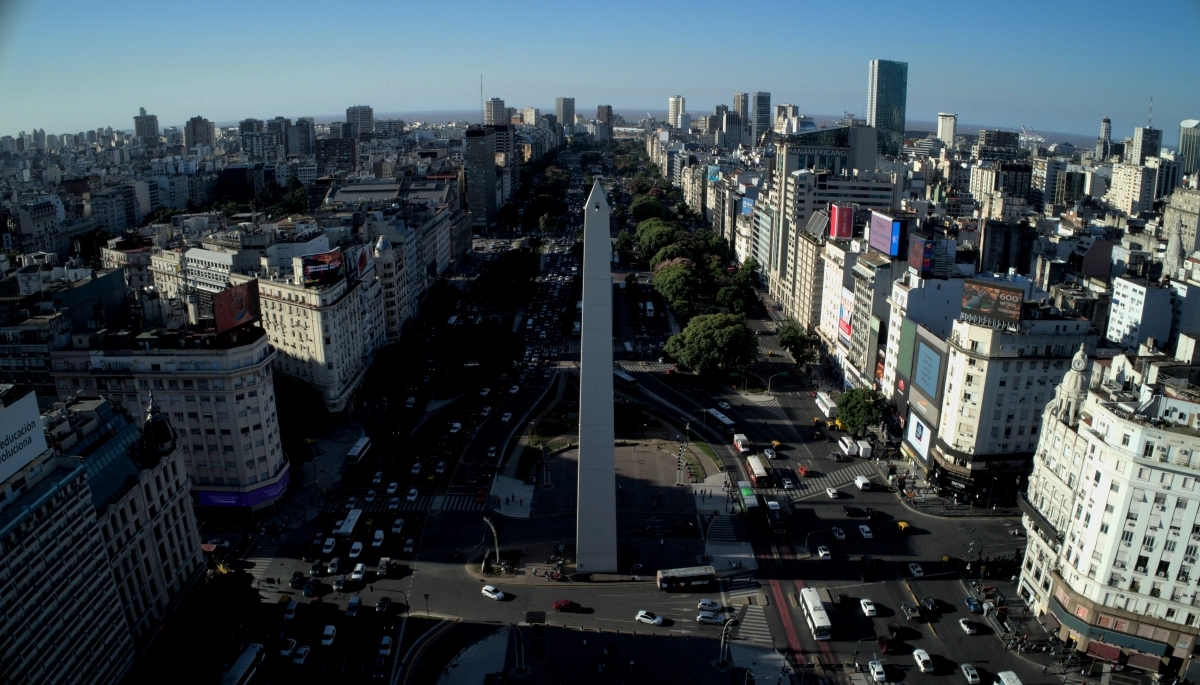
x=353, y=606
x=356, y=550
x=866, y=532
x=408, y=546
x=394, y=503
x=838, y=533
x=392, y=488
x=915, y=570
x=823, y=553
x=377, y=540
x=289, y=646
x=301, y=655
x=359, y=572
x=329, y=635
x=385, y=645
x=973, y=605
x=382, y=605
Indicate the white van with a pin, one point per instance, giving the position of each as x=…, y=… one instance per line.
x=862, y=483
x=1007, y=678
x=864, y=449
x=410, y=403
x=849, y=447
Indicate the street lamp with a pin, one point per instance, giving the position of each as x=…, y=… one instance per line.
x=724, y=640
x=810, y=535
x=781, y=373
x=991, y=492
x=406, y=601
x=855, y=657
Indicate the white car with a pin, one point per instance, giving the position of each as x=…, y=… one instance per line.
x=359, y=572
x=649, y=618
x=970, y=674
x=485, y=411
x=484, y=392
x=491, y=453
x=513, y=390
x=356, y=550
x=723, y=405
x=397, y=526
x=377, y=541
x=868, y=607
x=876, y=669
x=915, y=569
x=392, y=488
x=708, y=618
x=492, y=592
x=394, y=503
x=769, y=453
x=505, y=418
x=301, y=655
x=412, y=495
x=923, y=661
x=378, y=478
x=866, y=532
x=787, y=484
x=370, y=496
x=385, y=645
x=838, y=533
x=967, y=626
x=440, y=468
x=352, y=502
x=328, y=636
x=408, y=545
x=455, y=427
x=330, y=543
x=708, y=605
x=416, y=469
x=289, y=646
x=823, y=552
x=833, y=494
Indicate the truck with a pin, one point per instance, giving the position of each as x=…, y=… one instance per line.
x=862, y=483
x=848, y=446
x=864, y=449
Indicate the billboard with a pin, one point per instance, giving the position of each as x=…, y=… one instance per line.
x=885, y=234
x=841, y=222
x=359, y=260
x=845, y=310
x=323, y=268
x=928, y=368
x=236, y=305
x=992, y=301
x=918, y=435
x=920, y=254
x=245, y=499
x=747, y=206
x=21, y=436
x=714, y=173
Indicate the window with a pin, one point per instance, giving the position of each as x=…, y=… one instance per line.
x=1168, y=545
x=1104, y=528
x=1148, y=450
x=1125, y=440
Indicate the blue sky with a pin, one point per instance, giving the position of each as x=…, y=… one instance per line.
x=69, y=65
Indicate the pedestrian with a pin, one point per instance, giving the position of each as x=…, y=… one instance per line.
x=522, y=502
x=662, y=542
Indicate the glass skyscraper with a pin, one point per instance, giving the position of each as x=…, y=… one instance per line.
x=887, y=98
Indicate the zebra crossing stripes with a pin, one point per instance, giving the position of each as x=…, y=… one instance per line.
x=261, y=557
x=811, y=487
x=721, y=530
x=422, y=503
x=461, y=503
x=752, y=621
x=651, y=367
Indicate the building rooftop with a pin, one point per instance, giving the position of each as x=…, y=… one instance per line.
x=167, y=340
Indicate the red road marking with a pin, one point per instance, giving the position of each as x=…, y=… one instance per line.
x=826, y=651
x=789, y=627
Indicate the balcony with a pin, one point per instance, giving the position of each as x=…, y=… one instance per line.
x=1039, y=520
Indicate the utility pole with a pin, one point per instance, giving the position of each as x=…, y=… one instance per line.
x=495, y=539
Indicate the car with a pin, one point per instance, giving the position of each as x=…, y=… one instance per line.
x=838, y=533
x=492, y=592
x=397, y=526
x=973, y=605
x=723, y=405
x=382, y=605
x=330, y=544
x=290, y=612
x=648, y=618
x=491, y=453
x=385, y=645
x=709, y=618
x=394, y=503
x=480, y=496
x=440, y=468
x=370, y=496
x=910, y=612
x=351, y=503
x=412, y=495
x=353, y=606
x=970, y=674
x=297, y=580
x=787, y=484
x=377, y=540
x=392, y=488
x=484, y=392
x=485, y=411
x=516, y=388
x=871, y=512
x=877, y=672
x=329, y=635
x=930, y=605
x=866, y=532
x=410, y=403
x=378, y=478
x=967, y=626
x=566, y=605
x=416, y=469
x=823, y=552
x=708, y=605
x=339, y=584
x=833, y=494
x=356, y=550
x=408, y=546
x=894, y=630
x=455, y=427
x=923, y=661
x=317, y=568
x=769, y=453
x=310, y=588
x=289, y=646
x=301, y=655
x=915, y=570
x=886, y=646
x=903, y=527
x=506, y=417
x=868, y=607
x=425, y=379
x=359, y=572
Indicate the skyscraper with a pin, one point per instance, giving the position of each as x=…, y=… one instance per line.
x=947, y=123
x=1189, y=146
x=675, y=109
x=741, y=105
x=531, y=116
x=1104, y=142
x=887, y=102
x=479, y=167
x=145, y=127
x=199, y=131
x=761, y=120
x=494, y=112
x=302, y=138
x=362, y=118
x=1147, y=142
x=604, y=114
x=564, y=109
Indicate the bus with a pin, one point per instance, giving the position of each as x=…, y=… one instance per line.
x=749, y=501
x=741, y=442
x=245, y=667
x=722, y=421
x=347, y=529
x=827, y=405
x=758, y=474
x=649, y=309
x=815, y=614
x=623, y=381
x=691, y=578
x=358, y=451
x=776, y=516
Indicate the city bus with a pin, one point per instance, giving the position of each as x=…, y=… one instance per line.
x=245, y=667
x=623, y=381
x=815, y=614
x=347, y=529
x=827, y=405
x=358, y=451
x=691, y=578
x=746, y=496
x=757, y=472
x=776, y=516
x=722, y=421
x=741, y=443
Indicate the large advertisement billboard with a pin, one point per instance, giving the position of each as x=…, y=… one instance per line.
x=918, y=435
x=845, y=310
x=21, y=436
x=841, y=222
x=928, y=367
x=885, y=234
x=920, y=254
x=323, y=268
x=236, y=305
x=1002, y=303
x=747, y=206
x=714, y=173
x=359, y=260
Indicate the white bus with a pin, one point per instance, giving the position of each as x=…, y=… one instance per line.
x=827, y=405
x=245, y=667
x=359, y=451
x=758, y=474
x=815, y=614
x=741, y=442
x=347, y=529
x=722, y=421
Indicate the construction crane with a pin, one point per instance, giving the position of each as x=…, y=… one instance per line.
x=1029, y=139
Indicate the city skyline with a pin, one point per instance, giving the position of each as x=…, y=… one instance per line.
x=981, y=89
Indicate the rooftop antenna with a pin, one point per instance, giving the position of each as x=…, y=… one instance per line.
x=1150, y=122
x=482, y=119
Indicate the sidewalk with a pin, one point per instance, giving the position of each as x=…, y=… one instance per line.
x=471, y=665
x=303, y=503
x=925, y=501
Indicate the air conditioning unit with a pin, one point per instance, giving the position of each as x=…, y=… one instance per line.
x=1126, y=544
x=1189, y=560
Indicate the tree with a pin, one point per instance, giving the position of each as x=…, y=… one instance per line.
x=672, y=251
x=798, y=342
x=655, y=234
x=714, y=342
x=646, y=207
x=624, y=243
x=677, y=281
x=859, y=409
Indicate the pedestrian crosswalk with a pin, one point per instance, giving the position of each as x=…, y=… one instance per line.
x=752, y=620
x=648, y=367
x=721, y=530
x=772, y=405
x=260, y=557
x=807, y=488
x=422, y=503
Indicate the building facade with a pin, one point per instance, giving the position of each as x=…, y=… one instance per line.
x=887, y=103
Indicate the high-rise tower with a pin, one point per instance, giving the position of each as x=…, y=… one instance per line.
x=1189, y=146
x=494, y=112
x=761, y=119
x=947, y=125
x=675, y=109
x=564, y=109
x=887, y=102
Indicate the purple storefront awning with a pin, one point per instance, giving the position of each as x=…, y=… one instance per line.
x=252, y=498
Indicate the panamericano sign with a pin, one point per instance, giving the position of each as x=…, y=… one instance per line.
x=21, y=436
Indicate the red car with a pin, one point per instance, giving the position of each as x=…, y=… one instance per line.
x=481, y=497
x=566, y=605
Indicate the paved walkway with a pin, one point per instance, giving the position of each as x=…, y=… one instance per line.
x=470, y=666
x=512, y=497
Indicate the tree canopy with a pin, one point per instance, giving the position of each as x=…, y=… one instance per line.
x=646, y=207
x=859, y=409
x=799, y=342
x=714, y=342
